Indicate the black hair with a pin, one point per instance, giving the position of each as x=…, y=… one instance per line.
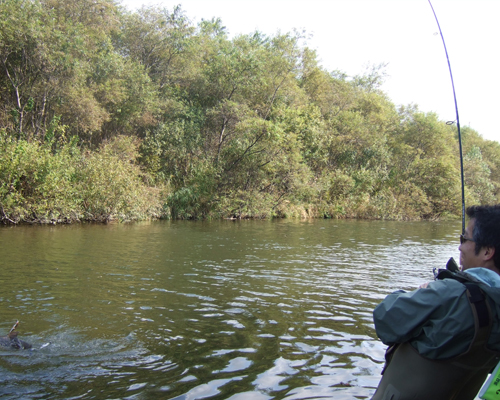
x=486, y=232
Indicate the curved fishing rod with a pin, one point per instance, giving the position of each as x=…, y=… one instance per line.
x=451, y=122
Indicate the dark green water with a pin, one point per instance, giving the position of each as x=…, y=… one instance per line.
x=206, y=310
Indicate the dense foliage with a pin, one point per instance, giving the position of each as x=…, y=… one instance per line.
x=107, y=114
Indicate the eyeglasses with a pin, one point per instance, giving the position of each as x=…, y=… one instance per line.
x=463, y=239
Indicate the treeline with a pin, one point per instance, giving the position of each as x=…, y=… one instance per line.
x=107, y=114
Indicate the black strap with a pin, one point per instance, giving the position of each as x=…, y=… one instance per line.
x=477, y=298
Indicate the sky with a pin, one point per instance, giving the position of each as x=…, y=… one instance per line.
x=349, y=35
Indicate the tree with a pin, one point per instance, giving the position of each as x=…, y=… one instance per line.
x=477, y=178
x=30, y=67
x=161, y=42
x=425, y=156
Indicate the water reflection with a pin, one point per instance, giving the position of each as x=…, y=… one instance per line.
x=191, y=310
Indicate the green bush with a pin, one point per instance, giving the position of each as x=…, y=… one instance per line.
x=36, y=185
x=111, y=186
x=41, y=186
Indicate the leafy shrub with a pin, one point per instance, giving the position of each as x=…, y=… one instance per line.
x=36, y=185
x=111, y=186
x=42, y=186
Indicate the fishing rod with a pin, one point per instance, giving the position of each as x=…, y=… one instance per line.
x=457, y=120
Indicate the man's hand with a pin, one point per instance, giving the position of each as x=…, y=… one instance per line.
x=423, y=285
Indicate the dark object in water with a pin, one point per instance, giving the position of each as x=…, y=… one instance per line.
x=11, y=340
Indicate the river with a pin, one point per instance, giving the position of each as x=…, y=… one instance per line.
x=240, y=310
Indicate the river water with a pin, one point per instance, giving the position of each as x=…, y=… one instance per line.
x=240, y=310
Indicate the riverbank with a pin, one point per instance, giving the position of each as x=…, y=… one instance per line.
x=59, y=183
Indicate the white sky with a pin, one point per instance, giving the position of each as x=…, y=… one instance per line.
x=349, y=34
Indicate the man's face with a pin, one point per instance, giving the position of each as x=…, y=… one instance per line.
x=468, y=257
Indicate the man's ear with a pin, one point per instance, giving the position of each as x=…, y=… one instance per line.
x=488, y=254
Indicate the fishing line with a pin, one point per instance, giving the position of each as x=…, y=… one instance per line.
x=457, y=121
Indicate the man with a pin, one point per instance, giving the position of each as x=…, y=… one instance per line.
x=444, y=337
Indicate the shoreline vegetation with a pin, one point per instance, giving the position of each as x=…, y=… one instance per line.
x=111, y=115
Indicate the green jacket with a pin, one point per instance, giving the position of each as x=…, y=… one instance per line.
x=437, y=321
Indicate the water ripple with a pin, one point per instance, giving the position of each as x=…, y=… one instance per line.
x=177, y=310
